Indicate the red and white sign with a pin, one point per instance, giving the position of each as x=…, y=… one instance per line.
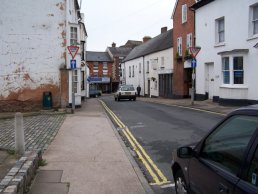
x=73, y=50
x=194, y=51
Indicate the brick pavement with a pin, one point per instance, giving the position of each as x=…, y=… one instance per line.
x=40, y=130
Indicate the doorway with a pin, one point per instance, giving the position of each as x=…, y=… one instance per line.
x=209, y=79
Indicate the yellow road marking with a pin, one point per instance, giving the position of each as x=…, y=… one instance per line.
x=137, y=148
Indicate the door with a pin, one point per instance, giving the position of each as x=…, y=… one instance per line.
x=148, y=88
x=216, y=168
x=209, y=79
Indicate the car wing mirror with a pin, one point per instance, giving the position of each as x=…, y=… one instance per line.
x=185, y=152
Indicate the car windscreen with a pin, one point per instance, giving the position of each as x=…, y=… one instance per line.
x=127, y=88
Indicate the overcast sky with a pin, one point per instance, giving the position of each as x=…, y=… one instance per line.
x=117, y=21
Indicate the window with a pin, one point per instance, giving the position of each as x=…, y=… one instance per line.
x=148, y=67
x=220, y=30
x=105, y=66
x=225, y=146
x=95, y=66
x=130, y=72
x=133, y=70
x=184, y=13
x=233, y=70
x=162, y=62
x=189, y=40
x=140, y=67
x=255, y=19
x=75, y=81
x=225, y=70
x=238, y=70
x=179, y=46
x=73, y=36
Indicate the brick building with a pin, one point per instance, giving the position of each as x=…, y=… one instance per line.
x=100, y=67
x=183, y=38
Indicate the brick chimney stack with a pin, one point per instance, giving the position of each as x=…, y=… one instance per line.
x=146, y=38
x=113, y=45
x=164, y=29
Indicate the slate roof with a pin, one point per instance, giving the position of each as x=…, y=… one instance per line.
x=119, y=51
x=161, y=42
x=98, y=56
x=200, y=4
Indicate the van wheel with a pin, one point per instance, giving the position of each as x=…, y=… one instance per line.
x=180, y=184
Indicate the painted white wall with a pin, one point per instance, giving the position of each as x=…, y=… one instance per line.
x=237, y=36
x=141, y=77
x=31, y=44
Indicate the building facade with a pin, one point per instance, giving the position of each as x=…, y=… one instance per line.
x=227, y=63
x=150, y=66
x=34, y=55
x=100, y=70
x=183, y=39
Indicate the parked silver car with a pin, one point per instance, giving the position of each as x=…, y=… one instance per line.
x=125, y=92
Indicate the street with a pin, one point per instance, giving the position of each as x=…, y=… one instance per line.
x=159, y=129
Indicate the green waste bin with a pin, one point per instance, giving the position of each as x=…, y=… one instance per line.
x=47, y=100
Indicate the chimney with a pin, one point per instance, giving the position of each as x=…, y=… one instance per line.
x=146, y=38
x=164, y=29
x=113, y=45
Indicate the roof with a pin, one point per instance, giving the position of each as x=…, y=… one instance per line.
x=200, y=4
x=119, y=51
x=98, y=56
x=256, y=46
x=174, y=10
x=161, y=42
x=132, y=43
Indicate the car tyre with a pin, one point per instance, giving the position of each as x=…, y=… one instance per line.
x=115, y=99
x=118, y=99
x=134, y=99
x=180, y=183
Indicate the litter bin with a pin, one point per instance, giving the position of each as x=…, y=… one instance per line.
x=47, y=100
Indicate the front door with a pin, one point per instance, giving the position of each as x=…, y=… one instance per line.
x=209, y=79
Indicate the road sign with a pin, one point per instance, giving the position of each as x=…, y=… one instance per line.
x=73, y=64
x=194, y=51
x=73, y=50
x=193, y=63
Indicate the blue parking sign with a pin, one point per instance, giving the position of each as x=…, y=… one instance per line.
x=73, y=64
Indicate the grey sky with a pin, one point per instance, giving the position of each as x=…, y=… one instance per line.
x=117, y=21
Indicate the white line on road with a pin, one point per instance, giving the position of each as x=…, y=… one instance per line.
x=168, y=185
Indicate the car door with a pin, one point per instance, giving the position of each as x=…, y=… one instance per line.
x=249, y=179
x=216, y=167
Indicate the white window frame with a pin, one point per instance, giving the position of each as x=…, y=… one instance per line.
x=140, y=68
x=253, y=20
x=148, y=67
x=133, y=71
x=130, y=71
x=75, y=81
x=232, y=71
x=73, y=35
x=189, y=40
x=179, y=46
x=220, y=31
x=162, y=62
x=184, y=13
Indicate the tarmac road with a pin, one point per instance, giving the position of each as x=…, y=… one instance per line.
x=159, y=129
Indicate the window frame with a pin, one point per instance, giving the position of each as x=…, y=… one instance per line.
x=220, y=31
x=184, y=13
x=179, y=46
x=73, y=35
x=189, y=40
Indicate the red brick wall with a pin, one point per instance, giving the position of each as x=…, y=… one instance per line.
x=180, y=86
x=100, y=69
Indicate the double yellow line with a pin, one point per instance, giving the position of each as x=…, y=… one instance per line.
x=157, y=176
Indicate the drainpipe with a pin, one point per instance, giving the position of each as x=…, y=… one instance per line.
x=143, y=75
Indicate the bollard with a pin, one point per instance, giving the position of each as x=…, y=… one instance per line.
x=19, y=134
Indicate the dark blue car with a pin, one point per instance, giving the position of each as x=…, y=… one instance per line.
x=224, y=161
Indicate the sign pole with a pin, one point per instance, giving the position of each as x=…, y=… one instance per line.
x=194, y=51
x=73, y=94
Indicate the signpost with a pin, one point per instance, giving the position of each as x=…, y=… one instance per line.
x=193, y=51
x=73, y=51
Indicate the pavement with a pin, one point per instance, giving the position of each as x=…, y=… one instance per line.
x=87, y=154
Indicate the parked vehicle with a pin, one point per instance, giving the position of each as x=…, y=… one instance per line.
x=95, y=93
x=125, y=92
x=224, y=161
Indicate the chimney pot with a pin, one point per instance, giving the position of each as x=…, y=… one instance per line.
x=146, y=38
x=113, y=44
x=164, y=29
